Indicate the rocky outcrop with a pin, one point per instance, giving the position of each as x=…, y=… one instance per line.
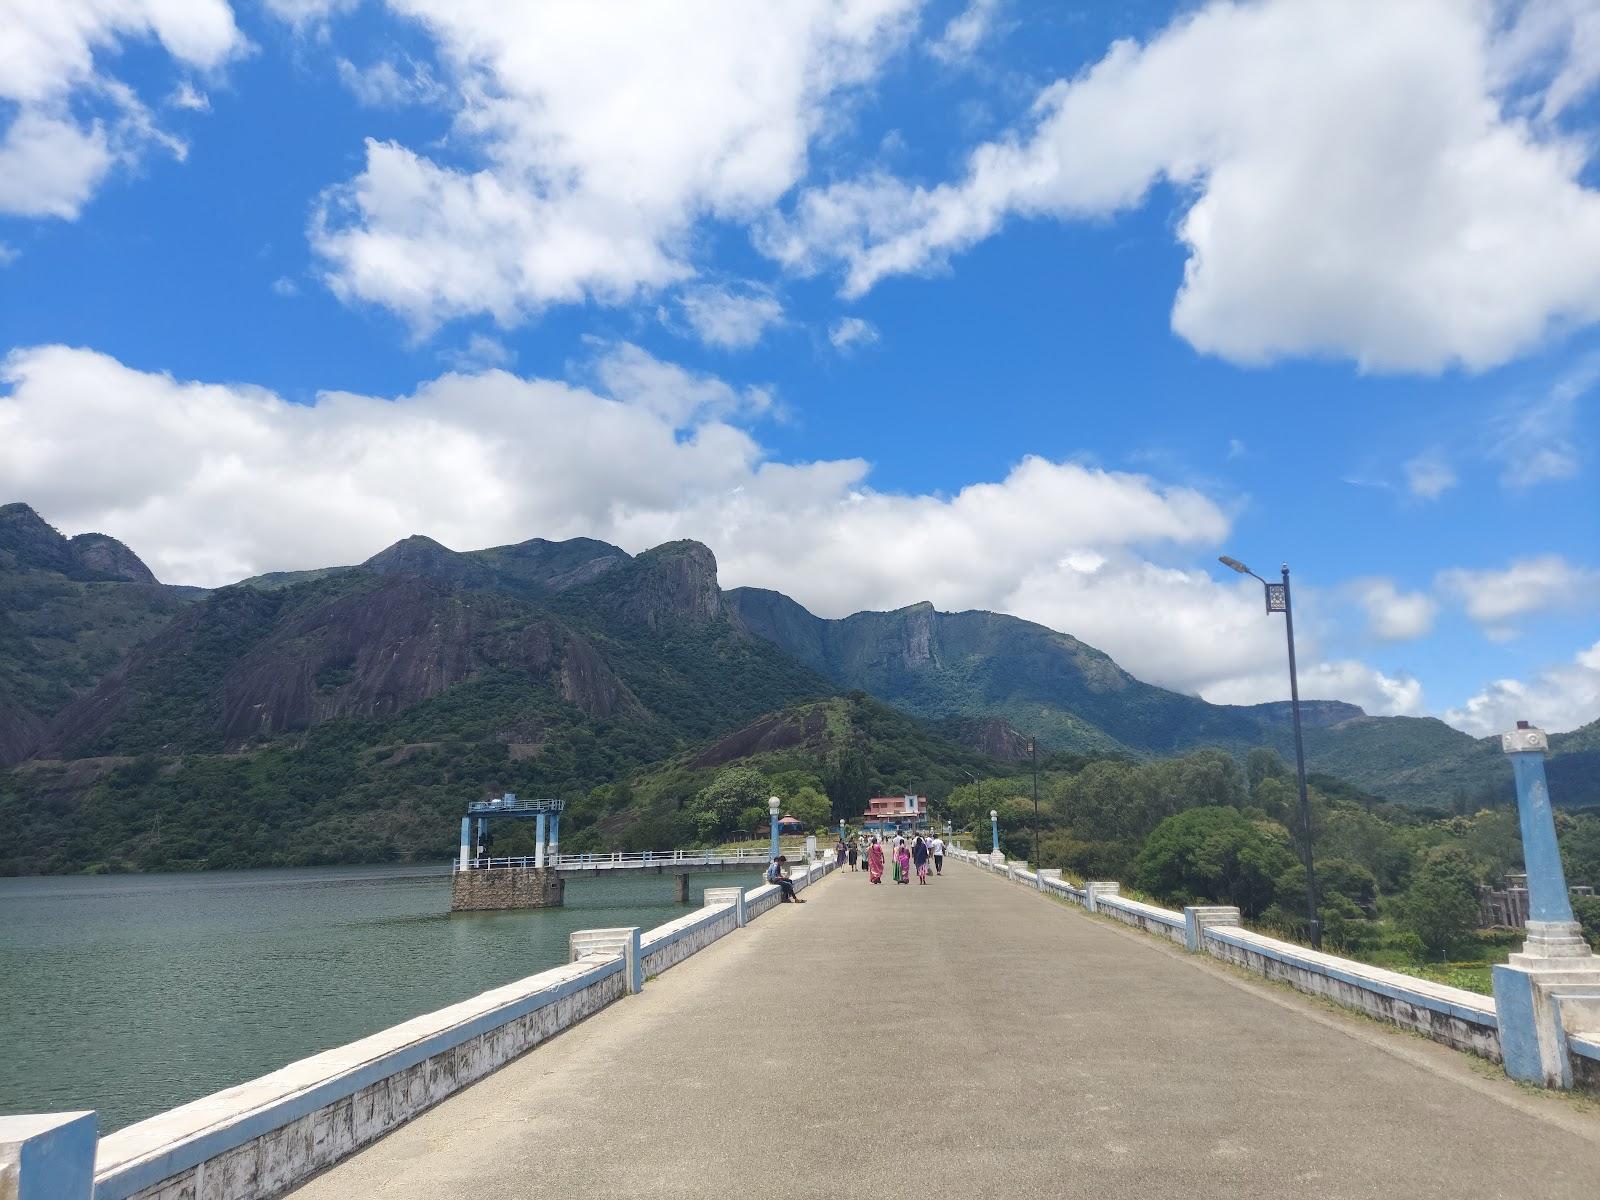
x=356, y=647
x=993, y=736
x=675, y=583
x=103, y=553
x=775, y=731
x=30, y=543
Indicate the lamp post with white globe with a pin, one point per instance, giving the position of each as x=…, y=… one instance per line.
x=773, y=804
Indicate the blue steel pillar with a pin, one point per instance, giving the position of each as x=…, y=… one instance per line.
x=1556, y=975
x=773, y=804
x=538, y=840
x=466, y=842
x=555, y=835
x=1541, y=856
x=994, y=829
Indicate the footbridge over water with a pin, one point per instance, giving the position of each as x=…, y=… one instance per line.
x=999, y=1031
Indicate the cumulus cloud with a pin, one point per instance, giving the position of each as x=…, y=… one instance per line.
x=1545, y=583
x=1557, y=699
x=1429, y=476
x=849, y=332
x=730, y=318
x=604, y=132
x=231, y=480
x=1393, y=615
x=54, y=154
x=1357, y=184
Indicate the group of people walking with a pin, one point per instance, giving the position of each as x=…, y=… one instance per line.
x=920, y=855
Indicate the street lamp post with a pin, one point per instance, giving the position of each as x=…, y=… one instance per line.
x=1033, y=753
x=994, y=828
x=773, y=804
x=1277, y=595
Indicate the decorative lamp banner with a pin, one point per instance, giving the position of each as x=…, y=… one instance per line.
x=1277, y=598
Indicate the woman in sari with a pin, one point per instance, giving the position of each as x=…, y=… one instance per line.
x=902, y=864
x=875, y=861
x=919, y=855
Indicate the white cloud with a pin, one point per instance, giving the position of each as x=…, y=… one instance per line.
x=606, y=132
x=965, y=32
x=388, y=83
x=285, y=287
x=8, y=254
x=733, y=319
x=1429, y=476
x=1536, y=440
x=1564, y=34
x=1544, y=583
x=189, y=97
x=1393, y=615
x=1236, y=449
x=307, y=15
x=228, y=481
x=50, y=167
x=1557, y=699
x=1354, y=186
x=52, y=158
x=1345, y=679
x=481, y=353
x=848, y=332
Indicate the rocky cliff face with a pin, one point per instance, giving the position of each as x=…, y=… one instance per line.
x=248, y=663
x=103, y=553
x=675, y=583
x=30, y=543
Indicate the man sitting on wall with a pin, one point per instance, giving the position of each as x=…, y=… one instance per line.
x=778, y=873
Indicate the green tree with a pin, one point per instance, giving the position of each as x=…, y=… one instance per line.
x=1441, y=906
x=810, y=807
x=1587, y=910
x=1212, y=853
x=1261, y=765
x=717, y=808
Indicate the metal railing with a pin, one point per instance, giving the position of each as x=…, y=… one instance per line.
x=624, y=861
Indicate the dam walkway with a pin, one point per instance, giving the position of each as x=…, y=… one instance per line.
x=974, y=1038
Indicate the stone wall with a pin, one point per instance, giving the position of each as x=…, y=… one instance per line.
x=487, y=888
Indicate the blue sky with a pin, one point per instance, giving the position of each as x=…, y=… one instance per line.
x=1000, y=305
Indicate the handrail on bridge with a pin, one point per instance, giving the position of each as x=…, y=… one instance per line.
x=624, y=859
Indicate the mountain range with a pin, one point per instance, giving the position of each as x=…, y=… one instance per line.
x=345, y=712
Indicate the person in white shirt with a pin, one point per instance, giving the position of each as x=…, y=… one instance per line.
x=938, y=855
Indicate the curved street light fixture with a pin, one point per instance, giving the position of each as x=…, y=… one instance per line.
x=1277, y=597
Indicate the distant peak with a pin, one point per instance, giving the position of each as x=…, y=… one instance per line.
x=104, y=553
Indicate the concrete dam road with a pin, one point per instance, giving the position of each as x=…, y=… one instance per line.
x=972, y=1038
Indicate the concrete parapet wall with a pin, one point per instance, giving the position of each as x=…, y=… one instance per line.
x=1585, y=1054
x=1162, y=922
x=1459, y=1018
x=262, y=1138
x=1450, y=1015
x=669, y=944
x=265, y=1137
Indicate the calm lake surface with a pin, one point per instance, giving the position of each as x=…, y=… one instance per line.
x=134, y=993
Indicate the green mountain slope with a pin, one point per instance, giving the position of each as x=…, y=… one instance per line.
x=1073, y=697
x=71, y=610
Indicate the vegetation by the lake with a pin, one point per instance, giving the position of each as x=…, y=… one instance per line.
x=1397, y=885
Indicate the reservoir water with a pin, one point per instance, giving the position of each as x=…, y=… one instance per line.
x=134, y=993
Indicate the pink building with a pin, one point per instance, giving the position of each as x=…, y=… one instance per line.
x=896, y=812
